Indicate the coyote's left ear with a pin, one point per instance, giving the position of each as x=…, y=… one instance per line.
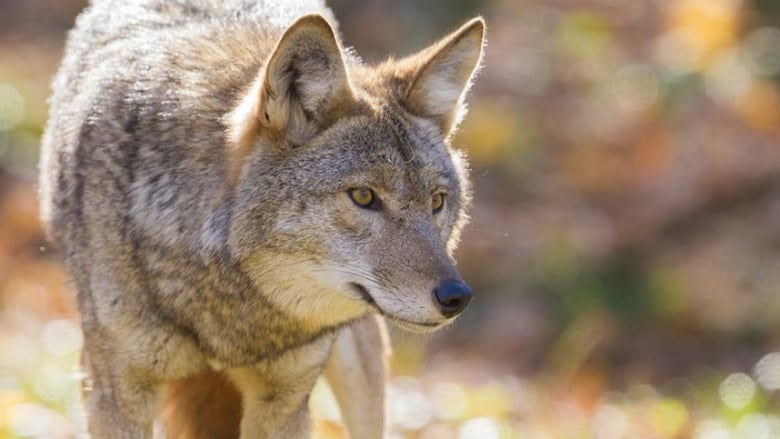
x=437, y=78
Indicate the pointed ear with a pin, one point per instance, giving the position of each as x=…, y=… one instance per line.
x=303, y=87
x=305, y=77
x=438, y=77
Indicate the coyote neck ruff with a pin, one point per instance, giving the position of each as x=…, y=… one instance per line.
x=241, y=203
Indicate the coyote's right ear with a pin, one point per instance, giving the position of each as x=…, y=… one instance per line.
x=303, y=88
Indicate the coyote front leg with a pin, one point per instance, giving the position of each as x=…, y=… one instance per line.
x=275, y=393
x=119, y=404
x=357, y=374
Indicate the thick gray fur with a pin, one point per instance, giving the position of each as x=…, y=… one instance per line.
x=181, y=268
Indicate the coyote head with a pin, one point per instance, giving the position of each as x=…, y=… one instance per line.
x=349, y=197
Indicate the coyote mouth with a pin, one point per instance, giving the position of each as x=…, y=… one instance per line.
x=402, y=323
x=363, y=293
x=413, y=326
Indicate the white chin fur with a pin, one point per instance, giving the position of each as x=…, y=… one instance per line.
x=416, y=327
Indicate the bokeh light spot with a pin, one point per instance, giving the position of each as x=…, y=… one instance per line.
x=28, y=420
x=610, y=422
x=11, y=107
x=761, y=51
x=408, y=405
x=669, y=417
x=737, y=390
x=323, y=402
x=479, y=428
x=727, y=79
x=450, y=401
x=636, y=87
x=756, y=426
x=62, y=337
x=712, y=430
x=767, y=371
x=51, y=383
x=704, y=27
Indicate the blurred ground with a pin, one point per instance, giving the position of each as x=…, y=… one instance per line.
x=625, y=241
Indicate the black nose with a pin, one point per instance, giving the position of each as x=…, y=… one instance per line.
x=452, y=297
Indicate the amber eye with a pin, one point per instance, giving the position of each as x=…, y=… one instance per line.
x=437, y=202
x=364, y=197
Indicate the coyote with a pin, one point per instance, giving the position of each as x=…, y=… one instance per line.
x=241, y=203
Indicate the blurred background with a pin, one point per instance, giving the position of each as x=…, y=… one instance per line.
x=624, y=243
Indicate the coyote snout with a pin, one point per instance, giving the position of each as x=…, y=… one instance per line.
x=449, y=298
x=452, y=297
x=400, y=266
